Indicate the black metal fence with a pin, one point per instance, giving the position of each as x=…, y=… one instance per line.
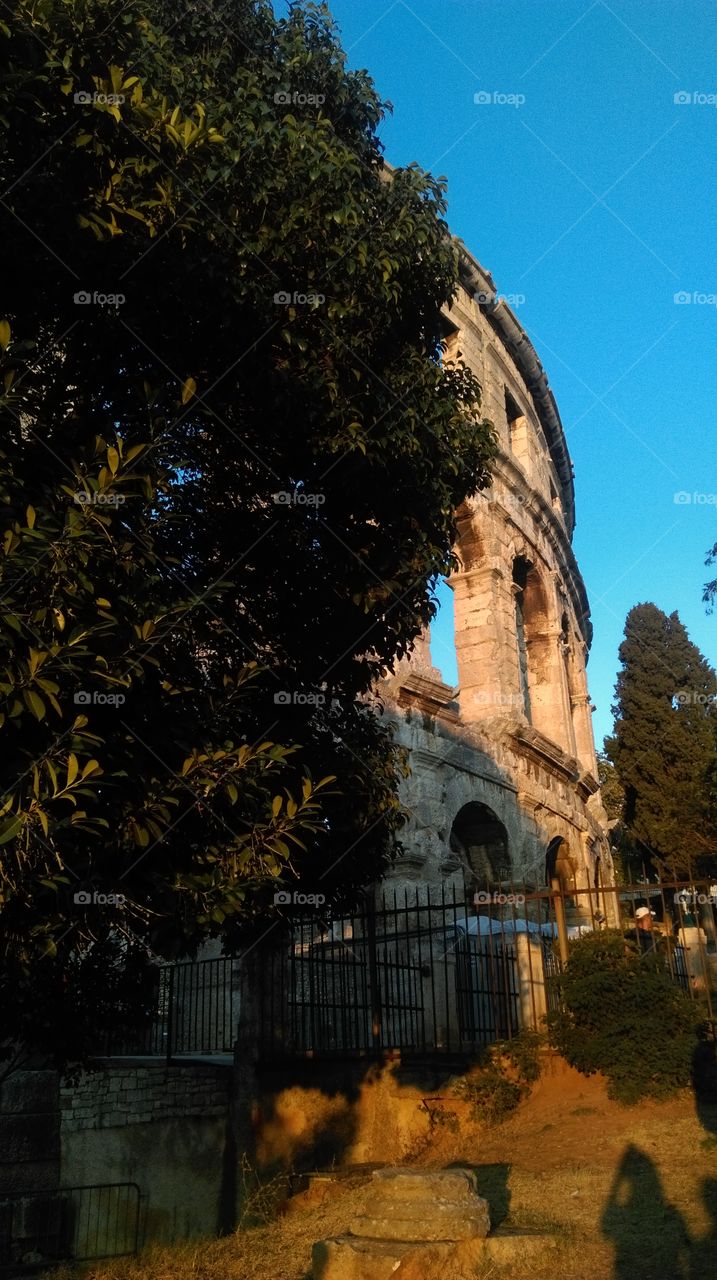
x=452, y=970
x=194, y=1011
x=421, y=970
x=69, y=1224
x=412, y=971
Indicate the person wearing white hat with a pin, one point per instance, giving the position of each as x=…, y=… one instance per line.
x=643, y=934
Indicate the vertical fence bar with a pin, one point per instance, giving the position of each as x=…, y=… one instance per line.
x=374, y=990
x=170, y=1013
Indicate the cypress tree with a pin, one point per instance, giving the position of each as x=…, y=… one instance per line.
x=664, y=745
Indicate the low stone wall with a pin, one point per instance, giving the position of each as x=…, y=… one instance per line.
x=169, y=1130
x=126, y=1095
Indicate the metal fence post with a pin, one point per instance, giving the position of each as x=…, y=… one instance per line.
x=375, y=994
x=170, y=1013
x=560, y=919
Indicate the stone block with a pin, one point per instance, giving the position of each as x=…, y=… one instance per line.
x=412, y=1204
x=350, y=1258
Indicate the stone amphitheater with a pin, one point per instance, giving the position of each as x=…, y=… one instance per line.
x=504, y=777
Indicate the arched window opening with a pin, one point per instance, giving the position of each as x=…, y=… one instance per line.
x=533, y=643
x=558, y=864
x=481, y=841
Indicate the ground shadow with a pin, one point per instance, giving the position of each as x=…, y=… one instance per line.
x=649, y=1234
x=492, y=1180
x=704, y=1083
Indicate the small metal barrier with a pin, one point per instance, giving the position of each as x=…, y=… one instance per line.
x=39, y=1229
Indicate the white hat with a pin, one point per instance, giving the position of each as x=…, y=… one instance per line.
x=642, y=912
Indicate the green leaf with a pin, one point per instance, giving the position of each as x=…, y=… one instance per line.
x=34, y=703
x=10, y=830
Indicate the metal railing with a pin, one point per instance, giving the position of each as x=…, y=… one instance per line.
x=39, y=1229
x=194, y=1011
x=450, y=971
x=407, y=972
x=420, y=970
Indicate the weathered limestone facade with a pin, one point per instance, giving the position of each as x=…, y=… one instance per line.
x=503, y=778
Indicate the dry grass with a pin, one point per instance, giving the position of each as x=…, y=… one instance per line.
x=630, y=1193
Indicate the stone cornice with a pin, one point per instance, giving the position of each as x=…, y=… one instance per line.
x=431, y=696
x=526, y=737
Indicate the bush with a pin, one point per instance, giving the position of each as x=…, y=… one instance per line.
x=623, y=1015
x=510, y=1068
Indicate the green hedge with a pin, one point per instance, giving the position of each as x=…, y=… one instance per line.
x=623, y=1015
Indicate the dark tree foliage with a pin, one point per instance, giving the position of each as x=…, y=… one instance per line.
x=623, y=1015
x=232, y=457
x=709, y=594
x=664, y=745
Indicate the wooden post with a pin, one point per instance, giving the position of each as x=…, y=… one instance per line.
x=560, y=919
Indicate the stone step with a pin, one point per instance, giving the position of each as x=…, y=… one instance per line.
x=352, y=1257
x=432, y=1220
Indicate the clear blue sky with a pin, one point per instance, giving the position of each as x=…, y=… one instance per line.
x=595, y=199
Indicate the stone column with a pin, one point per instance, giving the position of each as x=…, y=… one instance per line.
x=547, y=698
x=486, y=645
x=582, y=716
x=532, y=999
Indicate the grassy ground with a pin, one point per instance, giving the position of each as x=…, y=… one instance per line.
x=630, y=1193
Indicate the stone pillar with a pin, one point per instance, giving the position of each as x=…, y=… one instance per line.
x=486, y=645
x=582, y=716
x=547, y=698
x=532, y=999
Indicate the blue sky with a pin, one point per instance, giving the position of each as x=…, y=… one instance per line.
x=594, y=200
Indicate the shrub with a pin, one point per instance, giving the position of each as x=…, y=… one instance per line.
x=623, y=1015
x=510, y=1068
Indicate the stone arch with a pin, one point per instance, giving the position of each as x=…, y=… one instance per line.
x=559, y=864
x=532, y=623
x=480, y=840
